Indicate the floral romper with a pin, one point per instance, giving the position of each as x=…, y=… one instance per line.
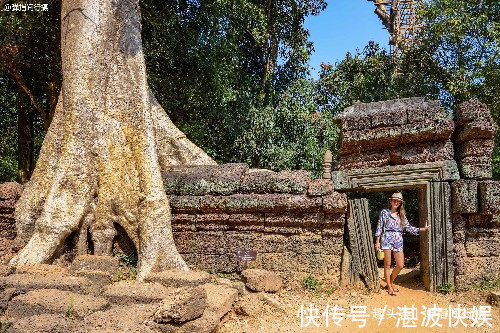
x=392, y=238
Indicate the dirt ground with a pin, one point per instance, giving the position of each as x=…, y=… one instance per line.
x=280, y=312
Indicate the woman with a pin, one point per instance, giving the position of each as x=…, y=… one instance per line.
x=391, y=224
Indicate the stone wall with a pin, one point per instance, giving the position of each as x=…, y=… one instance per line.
x=9, y=193
x=395, y=132
x=294, y=223
x=476, y=200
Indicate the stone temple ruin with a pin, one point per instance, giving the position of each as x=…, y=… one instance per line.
x=299, y=226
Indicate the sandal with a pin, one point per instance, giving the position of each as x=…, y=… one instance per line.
x=395, y=288
x=392, y=293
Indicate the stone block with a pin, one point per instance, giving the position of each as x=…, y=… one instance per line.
x=207, y=323
x=483, y=247
x=99, y=278
x=425, y=113
x=477, y=129
x=320, y=187
x=464, y=196
x=472, y=110
x=96, y=263
x=266, y=181
x=184, y=222
x=188, y=180
x=214, y=222
x=262, y=280
x=208, y=242
x=43, y=270
x=6, y=270
x=42, y=301
x=176, y=278
x=187, y=304
x=5, y=297
x=475, y=167
x=122, y=318
x=494, y=298
x=364, y=160
x=489, y=197
x=356, y=123
x=479, y=267
x=46, y=323
x=185, y=204
x=27, y=282
x=220, y=298
x=335, y=203
x=252, y=203
x=388, y=117
x=126, y=292
x=422, y=153
x=475, y=147
x=220, y=263
x=10, y=190
x=226, y=178
x=246, y=222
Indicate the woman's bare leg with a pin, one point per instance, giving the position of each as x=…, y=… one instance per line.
x=400, y=260
x=387, y=269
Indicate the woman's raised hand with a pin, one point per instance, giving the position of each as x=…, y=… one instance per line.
x=427, y=226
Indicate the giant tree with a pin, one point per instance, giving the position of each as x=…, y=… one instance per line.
x=101, y=158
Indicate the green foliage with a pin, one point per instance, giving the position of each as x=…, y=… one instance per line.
x=446, y=288
x=310, y=283
x=31, y=40
x=70, y=309
x=128, y=266
x=208, y=66
x=488, y=284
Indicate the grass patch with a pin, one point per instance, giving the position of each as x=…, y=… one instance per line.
x=446, y=288
x=70, y=309
x=487, y=284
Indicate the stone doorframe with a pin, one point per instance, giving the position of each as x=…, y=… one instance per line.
x=432, y=180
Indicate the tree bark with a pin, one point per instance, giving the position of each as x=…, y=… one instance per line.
x=25, y=139
x=101, y=158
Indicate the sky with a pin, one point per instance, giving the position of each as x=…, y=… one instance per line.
x=343, y=26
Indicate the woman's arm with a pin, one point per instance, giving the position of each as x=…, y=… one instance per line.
x=414, y=230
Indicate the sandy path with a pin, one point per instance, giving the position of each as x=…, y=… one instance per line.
x=283, y=318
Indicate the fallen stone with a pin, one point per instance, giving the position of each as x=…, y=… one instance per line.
x=207, y=323
x=6, y=270
x=249, y=305
x=5, y=297
x=47, y=323
x=126, y=292
x=43, y=270
x=187, y=304
x=220, y=298
x=130, y=318
x=99, y=278
x=494, y=298
x=262, y=280
x=177, y=278
x=96, y=263
x=27, y=282
x=54, y=301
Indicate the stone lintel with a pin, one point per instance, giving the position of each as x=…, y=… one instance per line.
x=387, y=177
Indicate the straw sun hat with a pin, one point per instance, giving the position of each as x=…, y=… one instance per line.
x=397, y=195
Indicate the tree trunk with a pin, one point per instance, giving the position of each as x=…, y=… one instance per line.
x=100, y=161
x=25, y=139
